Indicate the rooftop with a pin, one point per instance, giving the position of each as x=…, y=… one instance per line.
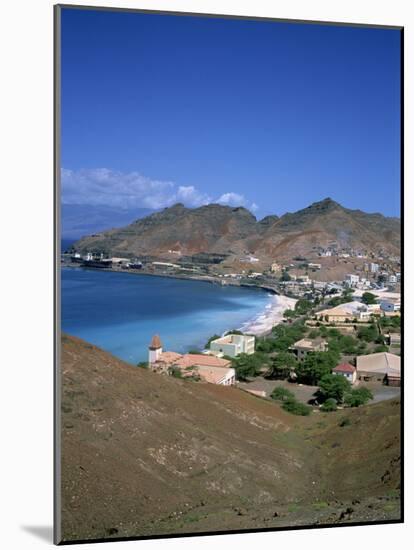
x=383, y=363
x=308, y=343
x=201, y=360
x=212, y=375
x=169, y=357
x=338, y=310
x=230, y=338
x=345, y=367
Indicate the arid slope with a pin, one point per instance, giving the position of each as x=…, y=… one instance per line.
x=145, y=454
x=235, y=232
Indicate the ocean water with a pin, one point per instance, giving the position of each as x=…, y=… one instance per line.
x=120, y=312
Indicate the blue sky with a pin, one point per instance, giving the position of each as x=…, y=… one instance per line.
x=158, y=109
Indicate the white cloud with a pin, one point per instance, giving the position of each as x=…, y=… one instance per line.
x=104, y=187
x=235, y=199
x=190, y=196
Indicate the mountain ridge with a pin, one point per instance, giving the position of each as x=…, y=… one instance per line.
x=235, y=231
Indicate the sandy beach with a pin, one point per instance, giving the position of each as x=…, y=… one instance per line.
x=271, y=316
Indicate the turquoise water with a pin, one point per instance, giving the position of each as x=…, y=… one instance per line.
x=120, y=312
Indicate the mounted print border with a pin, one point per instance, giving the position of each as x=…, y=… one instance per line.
x=229, y=351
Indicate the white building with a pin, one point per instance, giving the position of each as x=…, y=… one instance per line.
x=276, y=268
x=351, y=279
x=347, y=371
x=232, y=345
x=392, y=279
x=373, y=267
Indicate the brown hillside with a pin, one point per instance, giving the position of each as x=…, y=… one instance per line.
x=145, y=454
x=235, y=231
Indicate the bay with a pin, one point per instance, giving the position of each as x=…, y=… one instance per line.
x=120, y=312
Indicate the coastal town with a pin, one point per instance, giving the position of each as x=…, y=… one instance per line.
x=318, y=346
x=336, y=356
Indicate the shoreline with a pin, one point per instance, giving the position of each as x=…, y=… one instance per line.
x=260, y=325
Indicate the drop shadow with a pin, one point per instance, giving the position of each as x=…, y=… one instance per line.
x=43, y=532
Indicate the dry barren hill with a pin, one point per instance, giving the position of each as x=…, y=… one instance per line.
x=146, y=454
x=235, y=231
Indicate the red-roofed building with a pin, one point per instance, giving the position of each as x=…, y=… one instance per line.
x=202, y=360
x=205, y=367
x=347, y=371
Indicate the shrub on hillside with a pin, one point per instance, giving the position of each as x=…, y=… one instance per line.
x=176, y=372
x=329, y=405
x=295, y=407
x=357, y=397
x=344, y=422
x=281, y=394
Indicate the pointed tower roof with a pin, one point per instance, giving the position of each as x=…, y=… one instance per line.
x=155, y=342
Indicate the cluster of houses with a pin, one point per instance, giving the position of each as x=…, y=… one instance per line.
x=359, y=312
x=210, y=366
x=215, y=367
x=381, y=367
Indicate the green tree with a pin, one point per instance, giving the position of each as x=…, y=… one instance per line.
x=357, y=397
x=303, y=306
x=248, y=366
x=265, y=345
x=333, y=386
x=282, y=365
x=143, y=364
x=368, y=298
x=315, y=366
x=340, y=343
x=368, y=334
x=281, y=394
x=289, y=313
x=349, y=345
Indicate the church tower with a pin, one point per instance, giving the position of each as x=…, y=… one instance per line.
x=155, y=349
